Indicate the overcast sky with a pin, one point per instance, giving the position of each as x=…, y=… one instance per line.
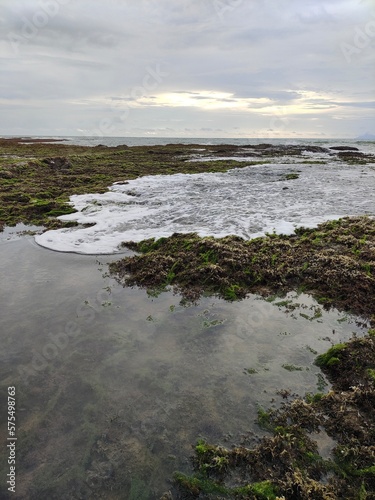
x=187, y=68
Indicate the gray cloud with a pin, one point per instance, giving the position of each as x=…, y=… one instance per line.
x=60, y=68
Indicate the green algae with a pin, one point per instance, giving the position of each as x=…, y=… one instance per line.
x=331, y=357
x=232, y=267
x=288, y=464
x=37, y=179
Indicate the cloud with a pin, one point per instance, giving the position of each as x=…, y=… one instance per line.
x=138, y=65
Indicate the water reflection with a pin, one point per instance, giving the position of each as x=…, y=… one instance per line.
x=114, y=386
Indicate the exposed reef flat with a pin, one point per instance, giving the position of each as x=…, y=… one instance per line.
x=37, y=177
x=335, y=262
x=291, y=462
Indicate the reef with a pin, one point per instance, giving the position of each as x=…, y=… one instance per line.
x=37, y=176
x=334, y=262
x=288, y=462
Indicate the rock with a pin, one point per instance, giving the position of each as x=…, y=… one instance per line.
x=58, y=163
x=350, y=154
x=315, y=149
x=343, y=148
x=167, y=496
x=5, y=174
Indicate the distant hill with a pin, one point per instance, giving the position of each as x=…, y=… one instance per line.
x=366, y=137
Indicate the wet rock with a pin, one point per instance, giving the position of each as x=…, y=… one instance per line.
x=333, y=261
x=315, y=149
x=343, y=148
x=6, y=174
x=58, y=163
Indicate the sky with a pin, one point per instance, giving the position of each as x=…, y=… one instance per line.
x=187, y=68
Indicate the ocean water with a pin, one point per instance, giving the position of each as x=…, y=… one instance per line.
x=113, y=387
x=247, y=202
x=159, y=141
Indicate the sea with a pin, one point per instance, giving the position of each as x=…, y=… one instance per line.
x=206, y=141
x=114, y=385
x=248, y=202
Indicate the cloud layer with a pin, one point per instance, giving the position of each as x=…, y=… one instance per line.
x=224, y=68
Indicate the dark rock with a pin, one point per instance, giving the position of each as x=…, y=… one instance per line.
x=58, y=163
x=5, y=174
x=343, y=148
x=350, y=154
x=315, y=149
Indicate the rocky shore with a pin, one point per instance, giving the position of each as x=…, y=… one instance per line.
x=38, y=176
x=334, y=262
x=289, y=463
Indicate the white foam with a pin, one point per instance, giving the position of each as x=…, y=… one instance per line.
x=247, y=202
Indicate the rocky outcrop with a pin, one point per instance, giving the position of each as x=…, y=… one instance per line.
x=58, y=163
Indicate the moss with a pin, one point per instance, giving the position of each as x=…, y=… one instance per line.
x=371, y=373
x=263, y=490
x=290, y=177
x=196, y=485
x=48, y=171
x=292, y=368
x=314, y=398
x=231, y=293
x=264, y=418
x=232, y=267
x=288, y=464
x=331, y=357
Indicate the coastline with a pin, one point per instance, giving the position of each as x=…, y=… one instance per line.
x=344, y=250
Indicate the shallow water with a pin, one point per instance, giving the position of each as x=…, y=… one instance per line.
x=247, y=202
x=113, y=386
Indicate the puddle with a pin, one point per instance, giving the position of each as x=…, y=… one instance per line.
x=19, y=231
x=113, y=387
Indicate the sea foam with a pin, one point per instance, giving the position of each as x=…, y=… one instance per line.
x=247, y=202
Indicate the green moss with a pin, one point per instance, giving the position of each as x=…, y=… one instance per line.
x=196, y=485
x=209, y=257
x=292, y=368
x=232, y=267
x=291, y=176
x=331, y=357
x=368, y=471
x=231, y=292
x=264, y=419
x=263, y=490
x=202, y=447
x=313, y=398
x=371, y=373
